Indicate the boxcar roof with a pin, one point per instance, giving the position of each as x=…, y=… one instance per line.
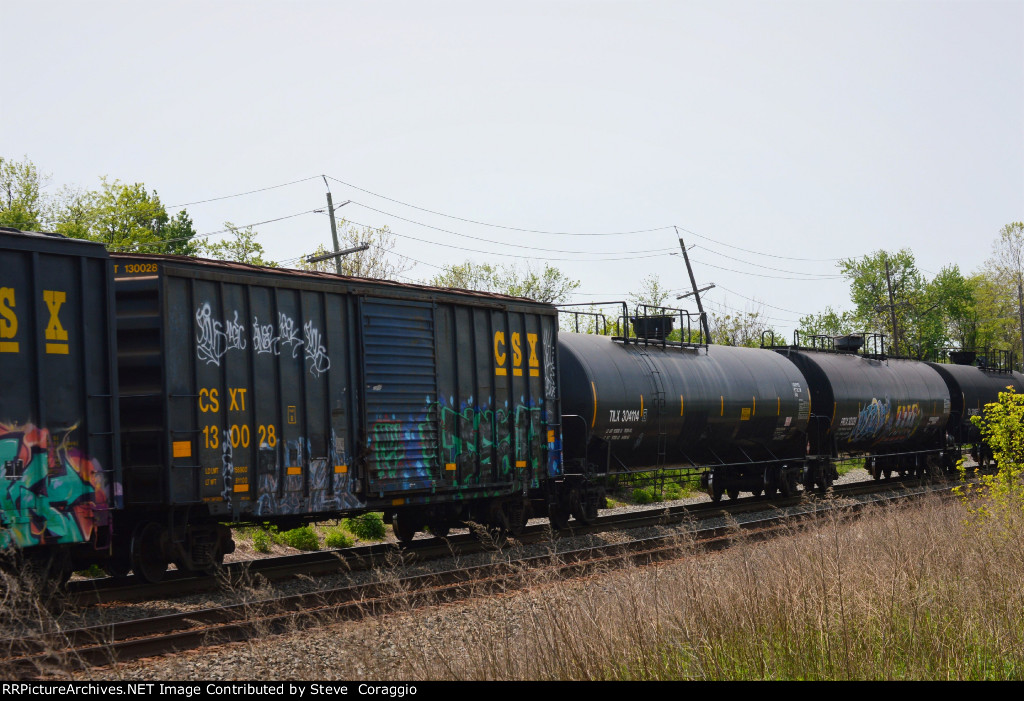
x=206, y=263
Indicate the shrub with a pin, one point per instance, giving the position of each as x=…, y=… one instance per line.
x=338, y=538
x=261, y=540
x=366, y=527
x=303, y=538
x=644, y=495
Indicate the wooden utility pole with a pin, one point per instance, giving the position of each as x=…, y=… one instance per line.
x=696, y=292
x=334, y=232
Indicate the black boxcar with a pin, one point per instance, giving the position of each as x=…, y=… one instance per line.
x=58, y=415
x=259, y=394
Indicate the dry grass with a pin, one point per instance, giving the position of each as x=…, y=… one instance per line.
x=920, y=592
x=912, y=593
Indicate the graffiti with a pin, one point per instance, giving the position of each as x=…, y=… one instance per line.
x=51, y=493
x=389, y=449
x=872, y=421
x=289, y=333
x=877, y=422
x=478, y=444
x=214, y=339
x=227, y=469
x=263, y=338
x=325, y=493
x=315, y=351
x=551, y=404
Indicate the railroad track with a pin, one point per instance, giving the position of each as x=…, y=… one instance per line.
x=106, y=590
x=104, y=644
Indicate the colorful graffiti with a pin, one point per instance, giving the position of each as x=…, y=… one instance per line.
x=51, y=492
x=477, y=443
x=330, y=489
x=877, y=422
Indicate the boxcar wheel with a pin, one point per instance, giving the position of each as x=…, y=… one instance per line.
x=558, y=517
x=439, y=528
x=405, y=527
x=734, y=493
x=148, y=559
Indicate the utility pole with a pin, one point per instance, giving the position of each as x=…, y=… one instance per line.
x=334, y=227
x=892, y=311
x=696, y=292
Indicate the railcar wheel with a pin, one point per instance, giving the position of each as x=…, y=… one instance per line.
x=787, y=484
x=757, y=492
x=118, y=567
x=716, y=491
x=147, y=551
x=439, y=528
x=517, y=514
x=583, y=505
x=405, y=528
x=558, y=517
x=734, y=493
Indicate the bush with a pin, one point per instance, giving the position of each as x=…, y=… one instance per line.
x=261, y=540
x=644, y=495
x=338, y=538
x=366, y=527
x=303, y=538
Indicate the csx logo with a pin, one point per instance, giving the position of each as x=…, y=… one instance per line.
x=55, y=334
x=501, y=354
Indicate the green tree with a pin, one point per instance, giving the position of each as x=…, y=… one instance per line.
x=241, y=246
x=828, y=323
x=741, y=329
x=999, y=497
x=652, y=293
x=549, y=285
x=21, y=202
x=919, y=324
x=379, y=261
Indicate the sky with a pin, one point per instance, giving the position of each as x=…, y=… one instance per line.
x=778, y=137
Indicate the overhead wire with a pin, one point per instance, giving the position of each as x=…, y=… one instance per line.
x=242, y=194
x=496, y=226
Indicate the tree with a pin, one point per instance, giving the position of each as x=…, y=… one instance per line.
x=242, y=247
x=1007, y=262
x=918, y=325
x=828, y=323
x=21, y=201
x=549, y=285
x=651, y=292
x=741, y=329
x=377, y=262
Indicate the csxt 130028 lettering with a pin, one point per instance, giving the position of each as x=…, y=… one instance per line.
x=148, y=400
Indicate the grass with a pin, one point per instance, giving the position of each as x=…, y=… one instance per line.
x=921, y=592
x=912, y=593
x=651, y=487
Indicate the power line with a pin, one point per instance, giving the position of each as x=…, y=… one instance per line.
x=162, y=242
x=503, y=243
x=760, y=253
x=747, y=262
x=242, y=194
x=817, y=278
x=496, y=226
x=506, y=255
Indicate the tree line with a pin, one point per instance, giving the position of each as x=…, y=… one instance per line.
x=919, y=316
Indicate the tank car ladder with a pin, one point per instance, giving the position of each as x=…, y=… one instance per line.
x=658, y=403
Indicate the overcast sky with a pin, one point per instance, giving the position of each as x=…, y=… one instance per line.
x=801, y=132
